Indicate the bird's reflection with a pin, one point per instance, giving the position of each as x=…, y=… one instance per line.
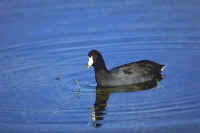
x=103, y=94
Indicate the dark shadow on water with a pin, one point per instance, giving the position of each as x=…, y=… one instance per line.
x=103, y=94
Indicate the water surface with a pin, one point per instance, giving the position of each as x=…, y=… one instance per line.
x=44, y=47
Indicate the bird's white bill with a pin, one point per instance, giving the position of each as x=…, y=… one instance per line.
x=90, y=61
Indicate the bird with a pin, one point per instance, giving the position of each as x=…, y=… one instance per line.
x=123, y=75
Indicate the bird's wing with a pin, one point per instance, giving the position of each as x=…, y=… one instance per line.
x=134, y=69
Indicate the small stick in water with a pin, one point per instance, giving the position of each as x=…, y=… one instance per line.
x=77, y=83
x=79, y=87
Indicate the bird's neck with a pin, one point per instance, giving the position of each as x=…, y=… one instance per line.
x=100, y=66
x=101, y=73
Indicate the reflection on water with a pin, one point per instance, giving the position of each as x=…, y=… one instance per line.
x=103, y=94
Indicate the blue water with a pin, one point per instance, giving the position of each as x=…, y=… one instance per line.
x=44, y=86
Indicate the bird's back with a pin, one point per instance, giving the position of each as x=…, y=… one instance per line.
x=136, y=72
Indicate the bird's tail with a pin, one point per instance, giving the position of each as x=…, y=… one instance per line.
x=162, y=67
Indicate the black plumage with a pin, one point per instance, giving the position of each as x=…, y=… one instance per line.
x=127, y=74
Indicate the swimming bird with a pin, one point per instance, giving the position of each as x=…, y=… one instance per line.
x=124, y=75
